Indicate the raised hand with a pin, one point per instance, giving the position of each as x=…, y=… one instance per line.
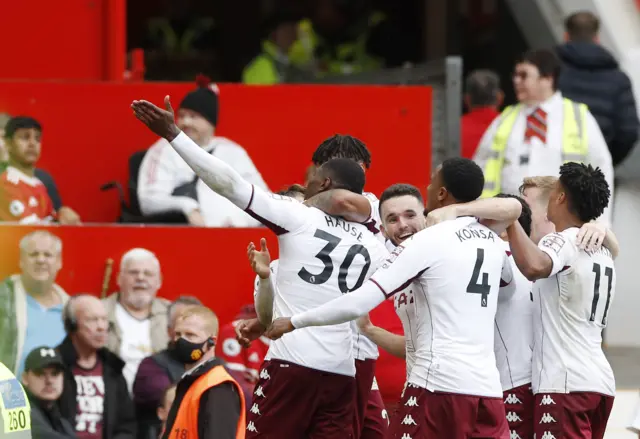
x=259, y=259
x=161, y=122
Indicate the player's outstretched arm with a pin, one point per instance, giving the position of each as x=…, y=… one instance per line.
x=264, y=290
x=341, y=202
x=275, y=213
x=496, y=213
x=532, y=262
x=390, y=342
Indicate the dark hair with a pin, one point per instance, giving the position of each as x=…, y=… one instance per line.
x=292, y=190
x=525, y=216
x=342, y=146
x=18, y=123
x=482, y=87
x=400, y=190
x=462, y=178
x=587, y=189
x=546, y=61
x=345, y=174
x=582, y=26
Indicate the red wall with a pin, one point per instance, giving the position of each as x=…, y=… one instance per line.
x=89, y=131
x=73, y=39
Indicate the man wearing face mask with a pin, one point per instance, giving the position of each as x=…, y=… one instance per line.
x=137, y=317
x=208, y=401
x=166, y=183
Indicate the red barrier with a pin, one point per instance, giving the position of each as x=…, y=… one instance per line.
x=74, y=40
x=89, y=131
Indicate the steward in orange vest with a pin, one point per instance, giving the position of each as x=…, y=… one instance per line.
x=209, y=403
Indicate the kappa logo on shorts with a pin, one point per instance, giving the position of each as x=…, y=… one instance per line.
x=251, y=427
x=264, y=374
x=547, y=419
x=513, y=417
x=514, y=435
x=259, y=391
x=412, y=402
x=408, y=420
x=406, y=436
x=547, y=435
x=512, y=399
x=255, y=410
x=547, y=400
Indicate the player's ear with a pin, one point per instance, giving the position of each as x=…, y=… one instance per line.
x=442, y=194
x=384, y=231
x=326, y=184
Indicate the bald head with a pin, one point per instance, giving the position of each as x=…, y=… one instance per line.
x=86, y=321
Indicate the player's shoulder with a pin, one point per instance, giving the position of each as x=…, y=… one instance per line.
x=371, y=197
x=560, y=239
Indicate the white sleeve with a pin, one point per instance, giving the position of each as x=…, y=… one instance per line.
x=280, y=214
x=559, y=249
x=483, y=152
x=635, y=422
x=507, y=281
x=405, y=263
x=600, y=156
x=156, y=182
x=247, y=169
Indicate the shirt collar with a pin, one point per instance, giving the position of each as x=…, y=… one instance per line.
x=545, y=105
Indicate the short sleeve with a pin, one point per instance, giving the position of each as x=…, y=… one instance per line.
x=560, y=250
x=507, y=280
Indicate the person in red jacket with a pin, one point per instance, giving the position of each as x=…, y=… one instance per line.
x=246, y=361
x=483, y=97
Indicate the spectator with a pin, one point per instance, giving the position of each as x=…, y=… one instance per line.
x=43, y=382
x=245, y=362
x=540, y=133
x=155, y=374
x=483, y=97
x=209, y=407
x=272, y=65
x=166, y=183
x=20, y=407
x=40, y=174
x=592, y=75
x=168, y=396
x=31, y=302
x=95, y=398
x=4, y=119
x=23, y=197
x=137, y=317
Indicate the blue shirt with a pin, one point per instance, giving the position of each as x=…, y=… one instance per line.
x=44, y=328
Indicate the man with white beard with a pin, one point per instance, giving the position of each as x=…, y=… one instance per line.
x=137, y=318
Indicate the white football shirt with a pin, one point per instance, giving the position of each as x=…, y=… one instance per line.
x=404, y=303
x=456, y=296
x=514, y=331
x=571, y=308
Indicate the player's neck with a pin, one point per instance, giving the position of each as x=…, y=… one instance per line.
x=563, y=224
x=28, y=170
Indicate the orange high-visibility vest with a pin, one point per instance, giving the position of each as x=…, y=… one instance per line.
x=185, y=425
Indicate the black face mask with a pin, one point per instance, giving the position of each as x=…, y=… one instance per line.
x=187, y=352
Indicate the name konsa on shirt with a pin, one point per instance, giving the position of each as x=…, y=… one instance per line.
x=472, y=233
x=344, y=225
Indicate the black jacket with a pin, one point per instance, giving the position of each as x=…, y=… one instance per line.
x=591, y=75
x=219, y=408
x=47, y=422
x=119, y=421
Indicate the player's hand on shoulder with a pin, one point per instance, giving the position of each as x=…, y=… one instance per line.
x=249, y=330
x=591, y=236
x=259, y=259
x=437, y=216
x=279, y=327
